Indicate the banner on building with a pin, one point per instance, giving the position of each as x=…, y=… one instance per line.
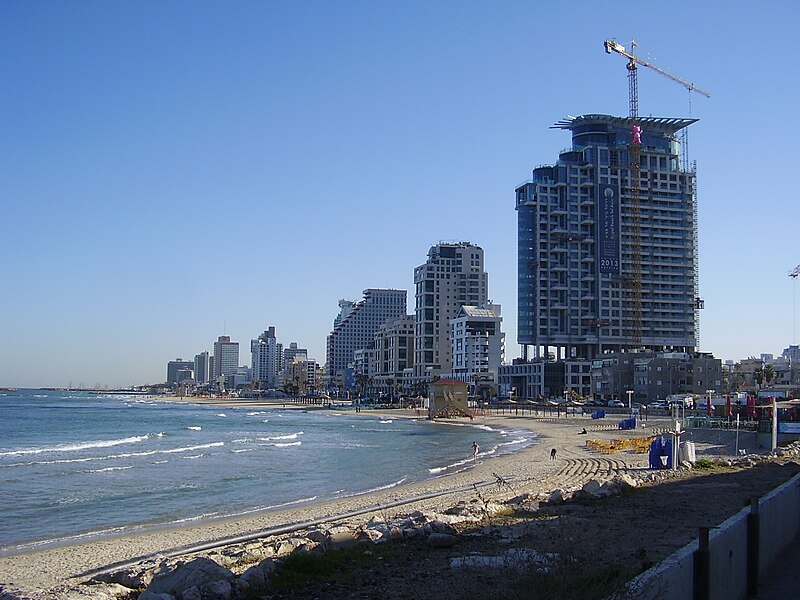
x=608, y=230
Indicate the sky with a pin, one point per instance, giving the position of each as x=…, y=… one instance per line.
x=175, y=171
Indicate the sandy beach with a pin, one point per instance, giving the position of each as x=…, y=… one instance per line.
x=41, y=572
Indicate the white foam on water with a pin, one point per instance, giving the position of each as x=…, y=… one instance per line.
x=287, y=444
x=77, y=447
x=290, y=436
x=195, y=428
x=222, y=415
x=107, y=469
x=115, y=456
x=388, y=486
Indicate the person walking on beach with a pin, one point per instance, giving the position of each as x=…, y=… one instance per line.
x=475, y=449
x=553, y=454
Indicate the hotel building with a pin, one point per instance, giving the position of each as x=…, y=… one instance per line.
x=576, y=244
x=356, y=326
x=452, y=277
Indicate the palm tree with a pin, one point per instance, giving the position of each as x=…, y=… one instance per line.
x=769, y=373
x=361, y=381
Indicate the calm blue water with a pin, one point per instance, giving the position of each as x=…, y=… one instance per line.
x=75, y=465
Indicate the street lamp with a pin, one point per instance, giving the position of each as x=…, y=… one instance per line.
x=630, y=405
x=709, y=409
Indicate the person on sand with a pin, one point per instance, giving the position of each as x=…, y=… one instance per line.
x=583, y=432
x=475, y=449
x=553, y=454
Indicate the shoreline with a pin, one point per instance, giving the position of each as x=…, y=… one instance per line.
x=530, y=468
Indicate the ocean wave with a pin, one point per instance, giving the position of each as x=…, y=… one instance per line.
x=388, y=486
x=286, y=445
x=77, y=447
x=116, y=456
x=460, y=463
x=256, y=413
x=289, y=436
x=388, y=421
x=107, y=469
x=222, y=415
x=273, y=506
x=68, y=539
x=195, y=428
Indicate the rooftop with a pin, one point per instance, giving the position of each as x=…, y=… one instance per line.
x=665, y=124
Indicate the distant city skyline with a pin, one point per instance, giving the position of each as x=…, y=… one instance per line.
x=177, y=172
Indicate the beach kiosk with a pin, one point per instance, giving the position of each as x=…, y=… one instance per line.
x=448, y=399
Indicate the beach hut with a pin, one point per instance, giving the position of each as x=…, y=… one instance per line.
x=448, y=398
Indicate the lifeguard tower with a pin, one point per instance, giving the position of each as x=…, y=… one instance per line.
x=448, y=399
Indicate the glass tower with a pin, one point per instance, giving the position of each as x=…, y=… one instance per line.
x=575, y=243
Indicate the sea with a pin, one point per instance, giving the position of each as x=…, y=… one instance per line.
x=76, y=465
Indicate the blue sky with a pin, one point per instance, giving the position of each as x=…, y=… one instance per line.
x=173, y=171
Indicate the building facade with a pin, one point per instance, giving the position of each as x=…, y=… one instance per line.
x=453, y=276
x=655, y=375
x=356, y=329
x=265, y=359
x=532, y=379
x=226, y=357
x=577, y=245
x=201, y=370
x=478, y=347
x=178, y=369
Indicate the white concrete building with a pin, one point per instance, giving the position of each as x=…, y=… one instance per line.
x=478, y=347
x=265, y=359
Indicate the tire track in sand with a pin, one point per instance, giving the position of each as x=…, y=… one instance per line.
x=577, y=471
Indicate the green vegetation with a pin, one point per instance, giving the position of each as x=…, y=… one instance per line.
x=335, y=565
x=704, y=464
x=576, y=582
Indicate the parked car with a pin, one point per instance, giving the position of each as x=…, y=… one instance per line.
x=660, y=405
x=616, y=404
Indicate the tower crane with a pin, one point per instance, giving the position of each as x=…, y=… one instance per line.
x=634, y=151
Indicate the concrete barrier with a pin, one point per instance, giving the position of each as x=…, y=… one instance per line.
x=727, y=561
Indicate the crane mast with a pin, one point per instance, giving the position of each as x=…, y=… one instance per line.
x=634, y=176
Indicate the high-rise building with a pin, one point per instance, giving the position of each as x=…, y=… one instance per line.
x=179, y=370
x=355, y=330
x=287, y=356
x=265, y=359
x=292, y=352
x=226, y=357
x=201, y=371
x=452, y=277
x=345, y=308
x=478, y=347
x=390, y=354
x=577, y=244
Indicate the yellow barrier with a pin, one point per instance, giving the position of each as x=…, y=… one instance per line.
x=640, y=445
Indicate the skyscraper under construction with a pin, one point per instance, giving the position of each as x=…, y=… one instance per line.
x=577, y=244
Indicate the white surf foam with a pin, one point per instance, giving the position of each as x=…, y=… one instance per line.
x=77, y=447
